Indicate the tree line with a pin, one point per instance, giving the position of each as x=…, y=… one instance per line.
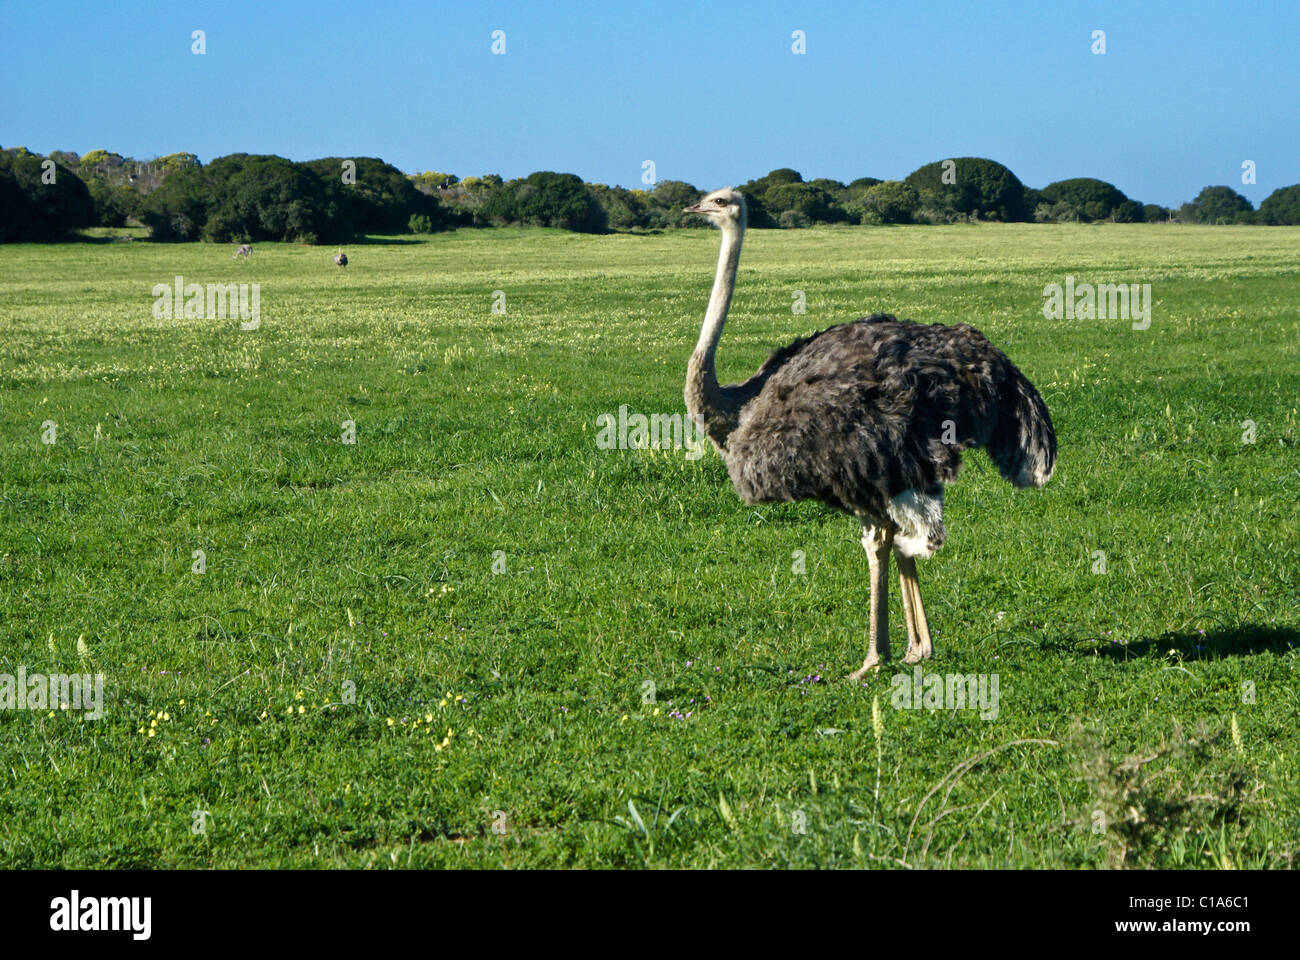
x=248, y=197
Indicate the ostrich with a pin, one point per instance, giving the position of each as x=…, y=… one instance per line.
x=341, y=258
x=869, y=417
x=244, y=250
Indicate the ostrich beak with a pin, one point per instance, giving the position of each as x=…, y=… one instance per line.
x=693, y=208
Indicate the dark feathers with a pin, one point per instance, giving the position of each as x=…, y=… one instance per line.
x=861, y=412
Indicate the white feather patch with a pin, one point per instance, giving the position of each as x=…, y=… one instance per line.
x=919, y=518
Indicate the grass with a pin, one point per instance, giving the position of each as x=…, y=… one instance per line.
x=475, y=559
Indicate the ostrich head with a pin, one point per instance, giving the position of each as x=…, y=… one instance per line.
x=725, y=208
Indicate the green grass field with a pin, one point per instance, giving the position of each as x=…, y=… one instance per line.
x=496, y=591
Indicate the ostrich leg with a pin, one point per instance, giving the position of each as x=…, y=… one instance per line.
x=918, y=630
x=877, y=541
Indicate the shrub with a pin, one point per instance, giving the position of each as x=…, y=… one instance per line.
x=381, y=199
x=1130, y=211
x=1089, y=199
x=624, y=209
x=549, y=200
x=667, y=204
x=113, y=205
x=776, y=178
x=813, y=204
x=256, y=197
x=891, y=201
x=755, y=193
x=1218, y=205
x=178, y=208
x=244, y=197
x=32, y=208
x=980, y=189
x=466, y=200
x=1282, y=206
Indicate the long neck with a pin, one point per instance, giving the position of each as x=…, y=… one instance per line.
x=704, y=398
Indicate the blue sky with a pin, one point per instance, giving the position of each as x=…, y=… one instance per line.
x=710, y=91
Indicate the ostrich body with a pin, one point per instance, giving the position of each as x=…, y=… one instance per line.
x=341, y=258
x=245, y=250
x=869, y=417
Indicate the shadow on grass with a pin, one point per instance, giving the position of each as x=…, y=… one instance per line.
x=376, y=242
x=1243, y=639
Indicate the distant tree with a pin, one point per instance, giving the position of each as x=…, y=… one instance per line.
x=1282, y=206
x=177, y=161
x=245, y=197
x=980, y=188
x=862, y=183
x=774, y=179
x=668, y=201
x=14, y=212
x=1218, y=205
x=1062, y=211
x=375, y=198
x=1154, y=213
x=890, y=201
x=624, y=209
x=548, y=199
x=755, y=193
x=114, y=205
x=177, y=208
x=812, y=203
x=466, y=199
x=431, y=181
x=116, y=183
x=1129, y=211
x=262, y=197
x=756, y=210
x=1088, y=199
x=39, y=201
x=100, y=161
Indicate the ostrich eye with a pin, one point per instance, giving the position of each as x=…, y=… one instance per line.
x=721, y=201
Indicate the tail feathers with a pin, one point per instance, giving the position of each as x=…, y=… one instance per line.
x=1023, y=443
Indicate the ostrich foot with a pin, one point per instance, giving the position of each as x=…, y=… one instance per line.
x=919, y=646
x=870, y=665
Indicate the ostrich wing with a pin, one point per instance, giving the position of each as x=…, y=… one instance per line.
x=858, y=413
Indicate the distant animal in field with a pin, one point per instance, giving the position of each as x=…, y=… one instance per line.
x=341, y=258
x=869, y=417
x=245, y=250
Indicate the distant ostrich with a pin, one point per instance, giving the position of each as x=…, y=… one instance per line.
x=869, y=417
x=244, y=250
x=341, y=258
